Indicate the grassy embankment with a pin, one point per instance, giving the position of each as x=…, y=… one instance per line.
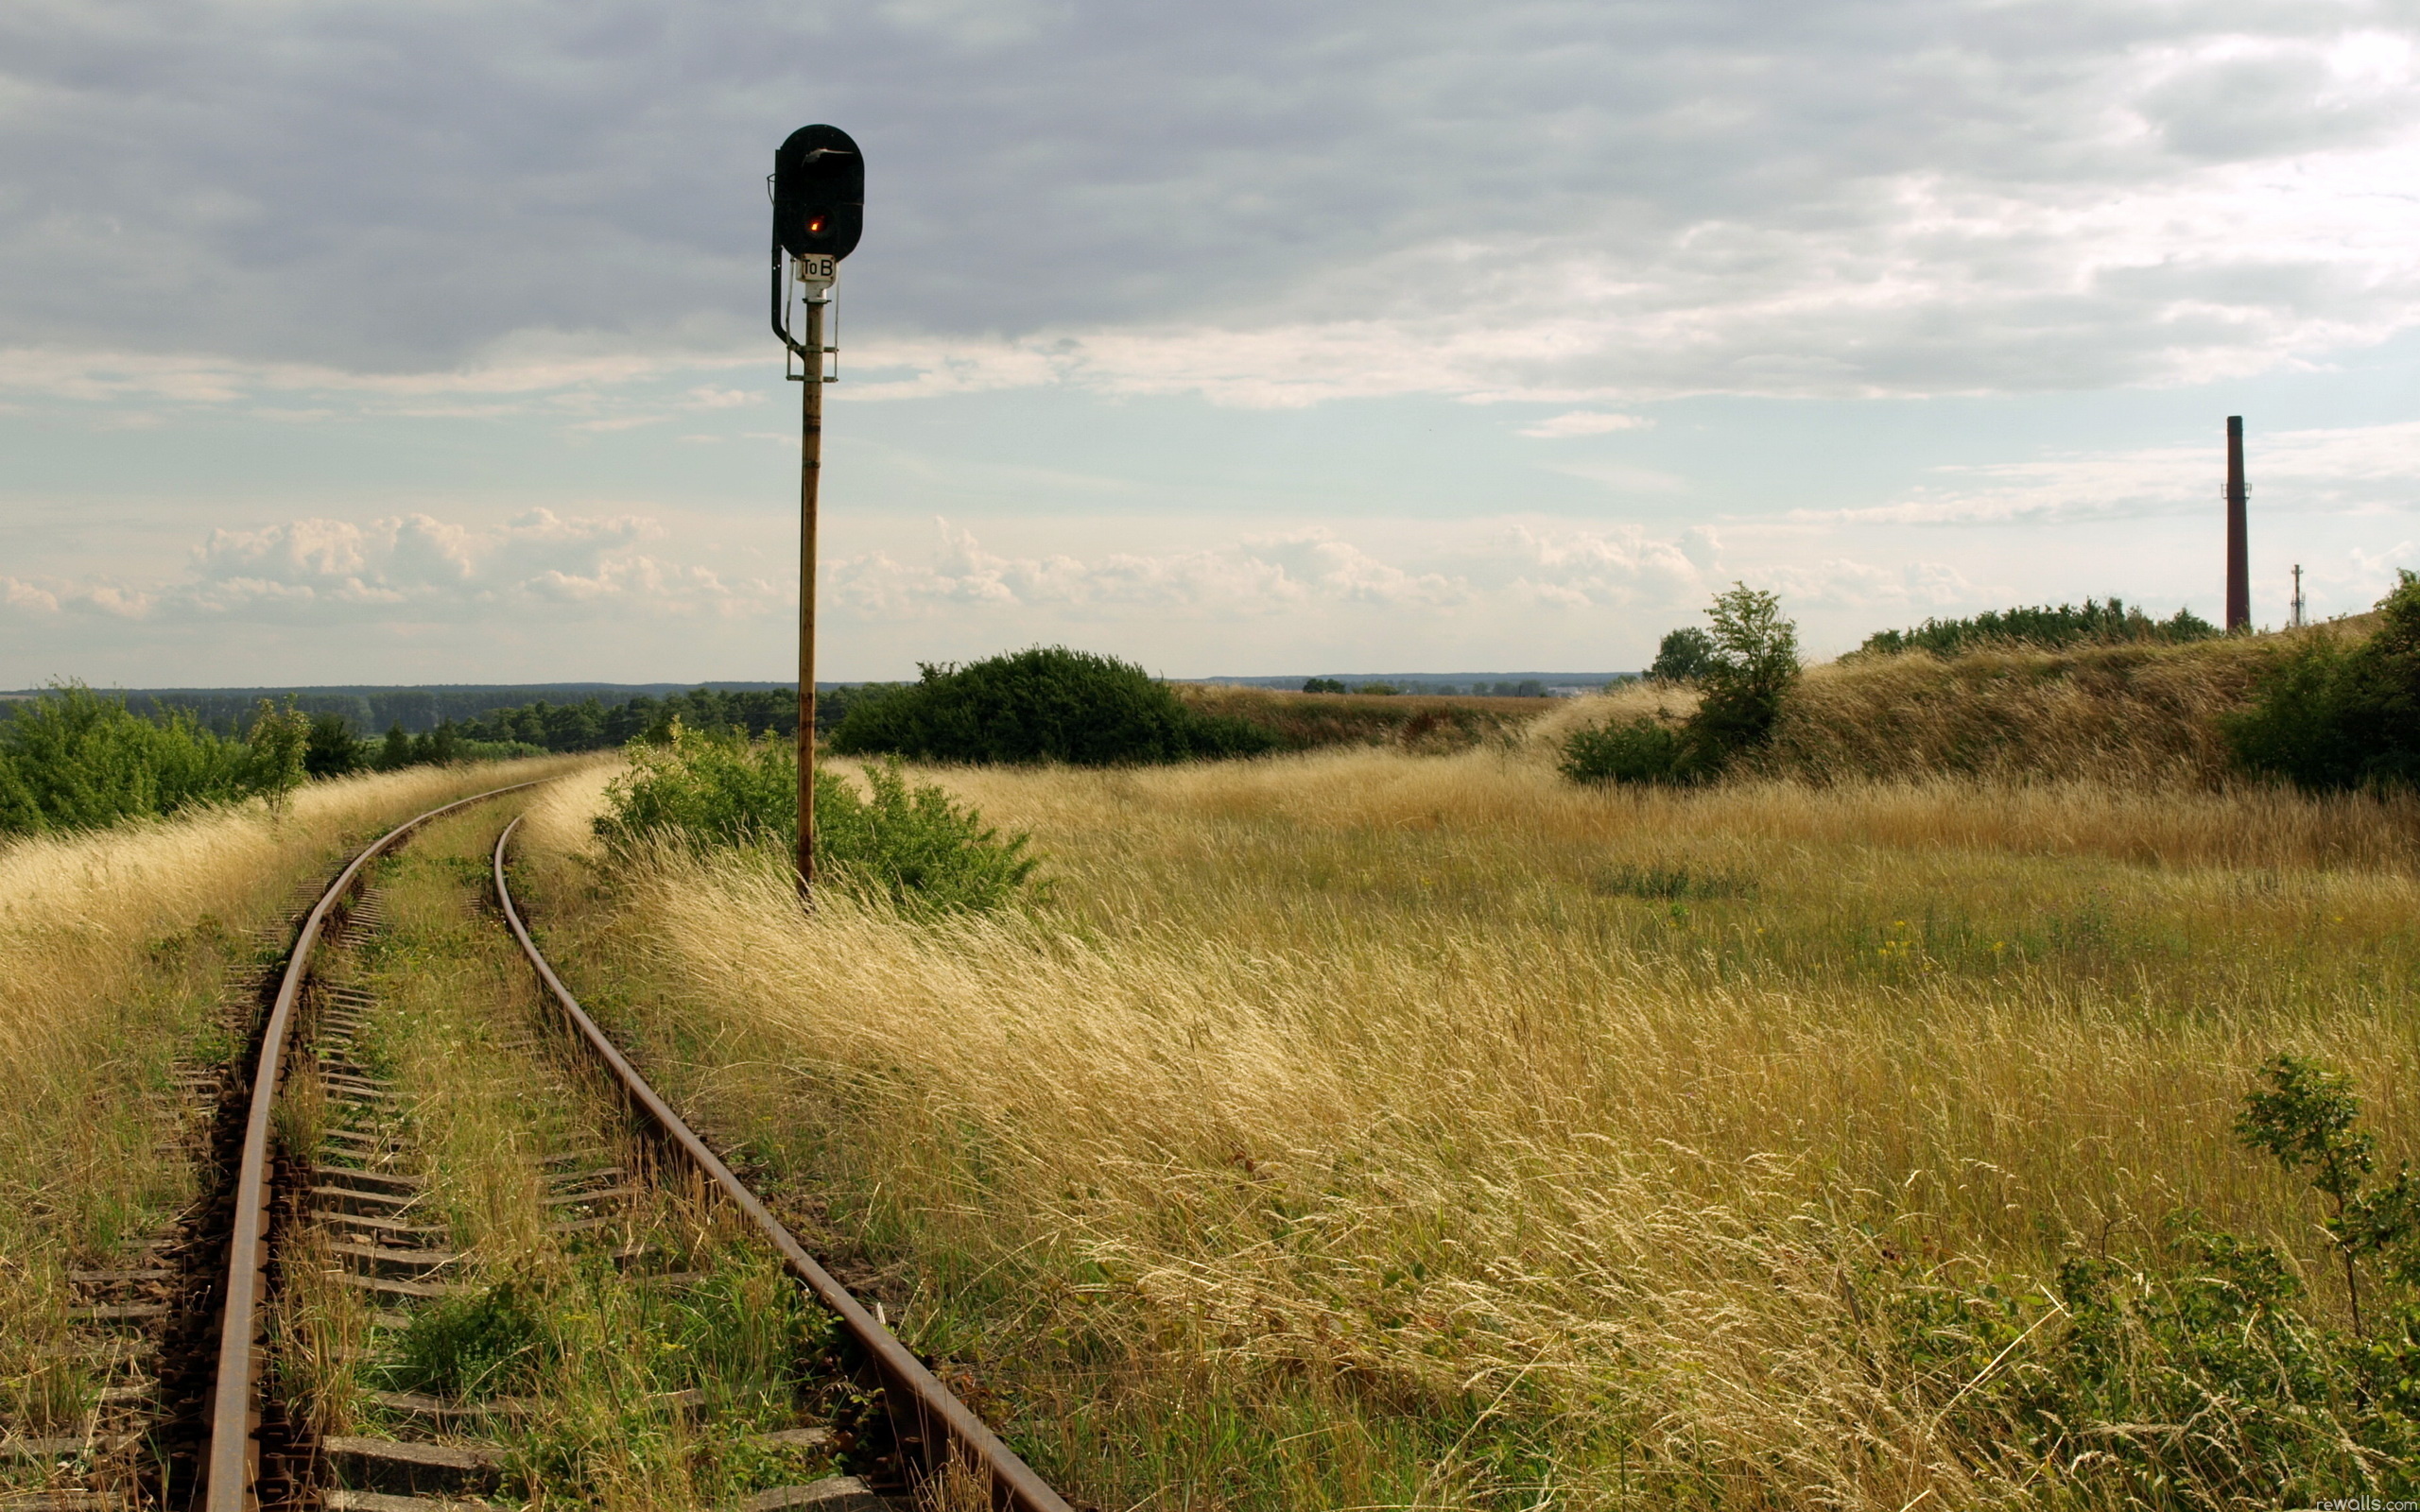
x=2144, y=716
x=1358, y=1129
x=115, y=948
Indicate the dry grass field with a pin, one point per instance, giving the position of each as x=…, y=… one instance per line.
x=1361, y=1130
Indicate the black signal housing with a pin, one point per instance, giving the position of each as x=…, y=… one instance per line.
x=819, y=193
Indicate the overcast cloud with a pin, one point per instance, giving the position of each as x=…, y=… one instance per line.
x=548, y=219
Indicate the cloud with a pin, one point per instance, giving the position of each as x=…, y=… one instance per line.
x=1585, y=422
x=1265, y=204
x=1466, y=574
x=408, y=568
x=2305, y=472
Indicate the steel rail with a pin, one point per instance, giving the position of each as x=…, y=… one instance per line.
x=235, y=1458
x=1013, y=1483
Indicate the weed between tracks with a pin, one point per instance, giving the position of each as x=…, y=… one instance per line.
x=634, y=1365
x=1360, y=1130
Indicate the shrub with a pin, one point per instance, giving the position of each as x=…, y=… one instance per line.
x=2189, y=1373
x=2095, y=623
x=1643, y=751
x=911, y=845
x=1044, y=704
x=2331, y=717
x=2305, y=1118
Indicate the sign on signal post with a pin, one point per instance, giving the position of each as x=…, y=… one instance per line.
x=818, y=187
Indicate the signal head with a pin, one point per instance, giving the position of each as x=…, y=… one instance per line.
x=819, y=193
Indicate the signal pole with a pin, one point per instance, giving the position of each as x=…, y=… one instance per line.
x=2298, y=595
x=810, y=481
x=2238, y=567
x=818, y=187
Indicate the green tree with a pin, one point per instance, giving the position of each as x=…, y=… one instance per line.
x=395, y=752
x=1683, y=657
x=1044, y=704
x=330, y=750
x=1750, y=670
x=278, y=744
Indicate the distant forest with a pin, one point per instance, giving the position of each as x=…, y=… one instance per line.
x=228, y=711
x=595, y=724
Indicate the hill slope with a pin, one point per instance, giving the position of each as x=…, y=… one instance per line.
x=2135, y=715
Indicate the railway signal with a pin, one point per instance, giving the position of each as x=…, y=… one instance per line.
x=818, y=189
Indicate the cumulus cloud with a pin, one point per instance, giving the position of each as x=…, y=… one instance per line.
x=408, y=568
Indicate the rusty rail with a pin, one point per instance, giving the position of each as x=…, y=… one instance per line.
x=234, y=1469
x=947, y=1430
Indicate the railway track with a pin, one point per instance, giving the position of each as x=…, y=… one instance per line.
x=325, y=1258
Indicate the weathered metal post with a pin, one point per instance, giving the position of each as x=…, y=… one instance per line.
x=2239, y=564
x=810, y=477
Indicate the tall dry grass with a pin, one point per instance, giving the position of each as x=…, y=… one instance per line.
x=1356, y=1129
x=115, y=948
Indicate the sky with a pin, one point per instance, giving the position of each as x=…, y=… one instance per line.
x=344, y=342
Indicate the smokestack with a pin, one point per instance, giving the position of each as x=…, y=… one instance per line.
x=2238, y=567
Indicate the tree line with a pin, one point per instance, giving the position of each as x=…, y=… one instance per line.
x=540, y=727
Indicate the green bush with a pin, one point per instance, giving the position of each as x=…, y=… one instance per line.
x=2095, y=623
x=1047, y=704
x=1642, y=750
x=73, y=759
x=2328, y=716
x=911, y=845
x=1747, y=665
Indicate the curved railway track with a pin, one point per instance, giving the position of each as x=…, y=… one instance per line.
x=934, y=1433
